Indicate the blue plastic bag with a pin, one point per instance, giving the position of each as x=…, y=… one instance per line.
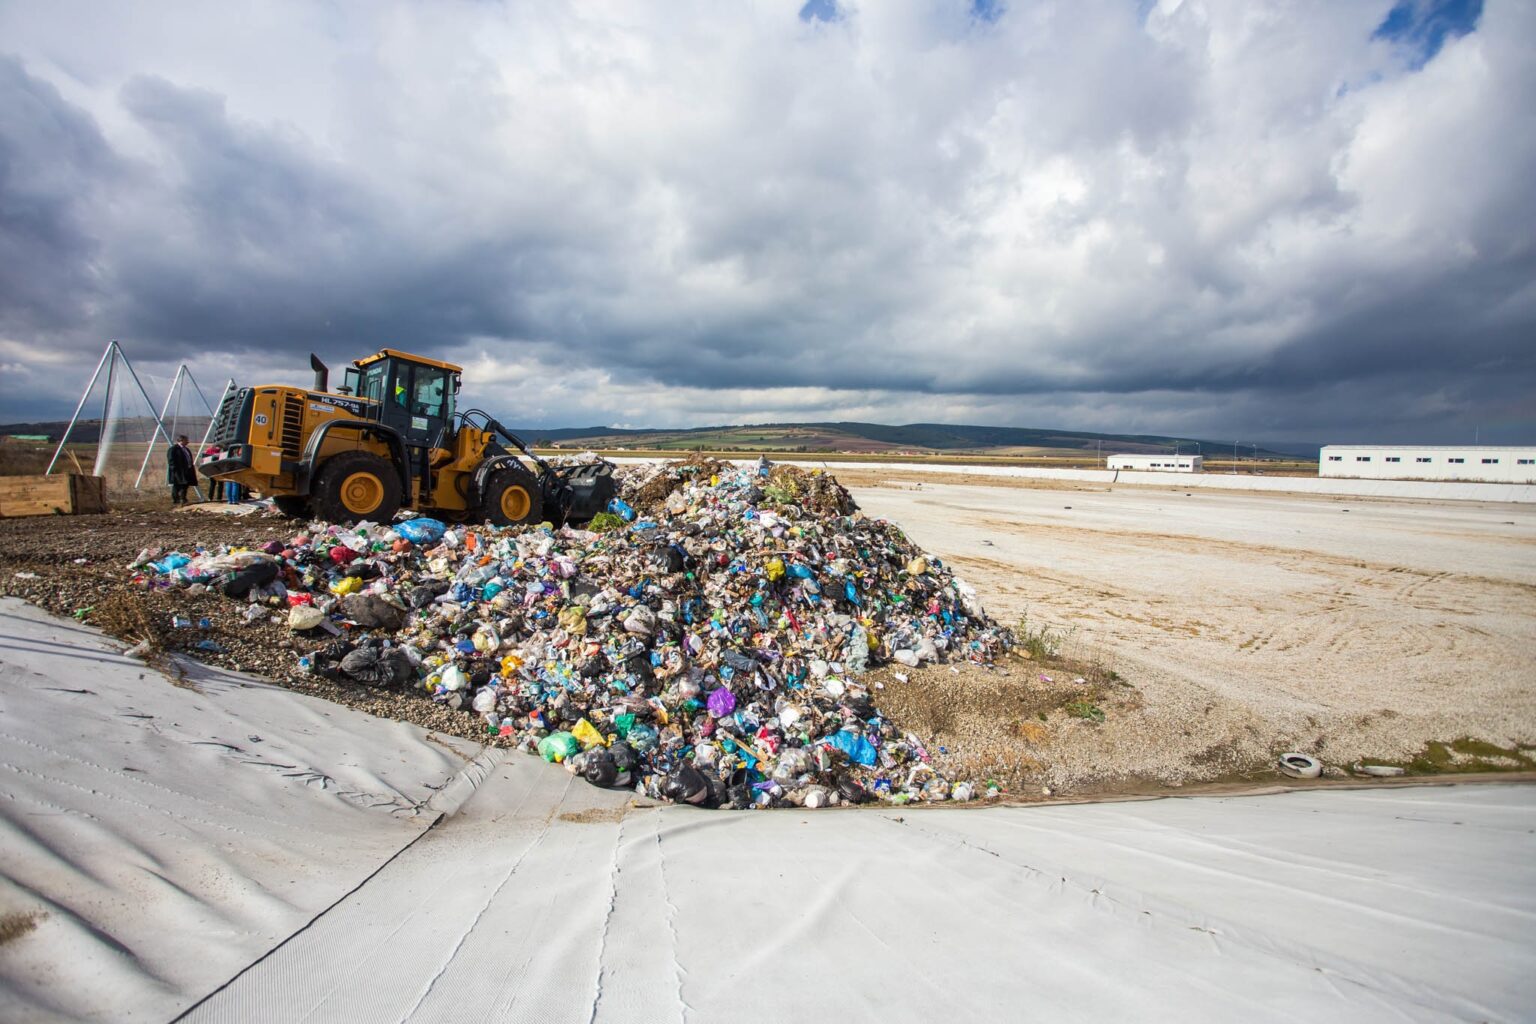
x=621, y=508
x=855, y=745
x=422, y=531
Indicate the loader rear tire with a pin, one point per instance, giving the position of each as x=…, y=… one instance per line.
x=356, y=485
x=512, y=498
x=294, y=506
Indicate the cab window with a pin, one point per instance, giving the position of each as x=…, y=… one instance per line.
x=432, y=395
x=373, y=382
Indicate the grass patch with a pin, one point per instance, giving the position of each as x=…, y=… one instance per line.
x=1084, y=709
x=1466, y=755
x=1041, y=643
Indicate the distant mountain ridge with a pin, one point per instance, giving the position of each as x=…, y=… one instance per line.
x=843, y=435
x=938, y=437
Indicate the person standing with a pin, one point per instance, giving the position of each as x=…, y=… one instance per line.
x=180, y=470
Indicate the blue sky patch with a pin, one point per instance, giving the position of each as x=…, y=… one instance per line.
x=1421, y=27
x=820, y=10
x=987, y=10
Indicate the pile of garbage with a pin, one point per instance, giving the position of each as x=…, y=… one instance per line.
x=707, y=642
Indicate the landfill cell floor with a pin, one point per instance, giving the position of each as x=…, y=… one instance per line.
x=1247, y=624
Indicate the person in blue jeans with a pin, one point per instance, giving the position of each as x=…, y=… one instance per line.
x=232, y=493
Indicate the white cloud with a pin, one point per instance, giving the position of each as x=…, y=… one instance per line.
x=716, y=212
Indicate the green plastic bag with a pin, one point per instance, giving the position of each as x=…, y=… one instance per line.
x=622, y=723
x=558, y=746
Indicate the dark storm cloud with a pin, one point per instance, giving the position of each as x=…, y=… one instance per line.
x=53, y=161
x=257, y=241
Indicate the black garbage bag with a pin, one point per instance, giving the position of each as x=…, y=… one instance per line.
x=719, y=792
x=687, y=785
x=325, y=661
x=378, y=666
x=239, y=584
x=738, y=790
x=862, y=706
x=848, y=787
x=372, y=612
x=669, y=558
x=738, y=661
x=425, y=592
x=599, y=768
x=626, y=764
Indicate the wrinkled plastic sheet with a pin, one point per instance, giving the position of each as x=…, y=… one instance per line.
x=540, y=902
x=179, y=861
x=156, y=838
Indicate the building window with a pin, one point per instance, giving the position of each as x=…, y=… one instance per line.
x=1335, y=458
x=1526, y=462
x=1490, y=462
x=1393, y=458
x=1423, y=458
x=1455, y=460
x=1362, y=458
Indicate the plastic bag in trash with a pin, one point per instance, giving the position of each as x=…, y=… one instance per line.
x=377, y=666
x=372, y=612
x=687, y=785
x=240, y=583
x=586, y=733
x=558, y=746
x=855, y=744
x=304, y=616
x=422, y=531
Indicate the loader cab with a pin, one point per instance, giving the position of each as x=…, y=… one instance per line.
x=415, y=395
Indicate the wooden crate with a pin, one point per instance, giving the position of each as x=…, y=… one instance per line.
x=59, y=494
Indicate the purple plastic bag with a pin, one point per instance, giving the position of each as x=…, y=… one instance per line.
x=722, y=702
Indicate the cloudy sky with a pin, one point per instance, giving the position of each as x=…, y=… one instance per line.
x=1298, y=220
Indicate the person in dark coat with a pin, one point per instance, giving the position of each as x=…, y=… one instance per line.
x=180, y=470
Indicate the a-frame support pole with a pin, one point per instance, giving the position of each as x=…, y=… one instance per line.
x=106, y=352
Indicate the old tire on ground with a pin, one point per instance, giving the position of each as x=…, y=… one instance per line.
x=512, y=497
x=294, y=506
x=1299, y=766
x=356, y=485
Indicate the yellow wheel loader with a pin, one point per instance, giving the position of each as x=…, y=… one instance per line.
x=390, y=438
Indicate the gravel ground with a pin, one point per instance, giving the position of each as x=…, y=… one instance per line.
x=80, y=564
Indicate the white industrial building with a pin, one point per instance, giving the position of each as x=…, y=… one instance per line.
x=1505, y=465
x=1157, y=463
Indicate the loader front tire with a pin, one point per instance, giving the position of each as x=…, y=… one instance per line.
x=512, y=497
x=356, y=485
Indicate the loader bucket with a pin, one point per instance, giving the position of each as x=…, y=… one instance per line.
x=582, y=491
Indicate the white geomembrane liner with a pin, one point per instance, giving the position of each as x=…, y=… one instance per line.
x=543, y=899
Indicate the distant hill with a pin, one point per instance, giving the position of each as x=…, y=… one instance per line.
x=842, y=436
x=879, y=437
